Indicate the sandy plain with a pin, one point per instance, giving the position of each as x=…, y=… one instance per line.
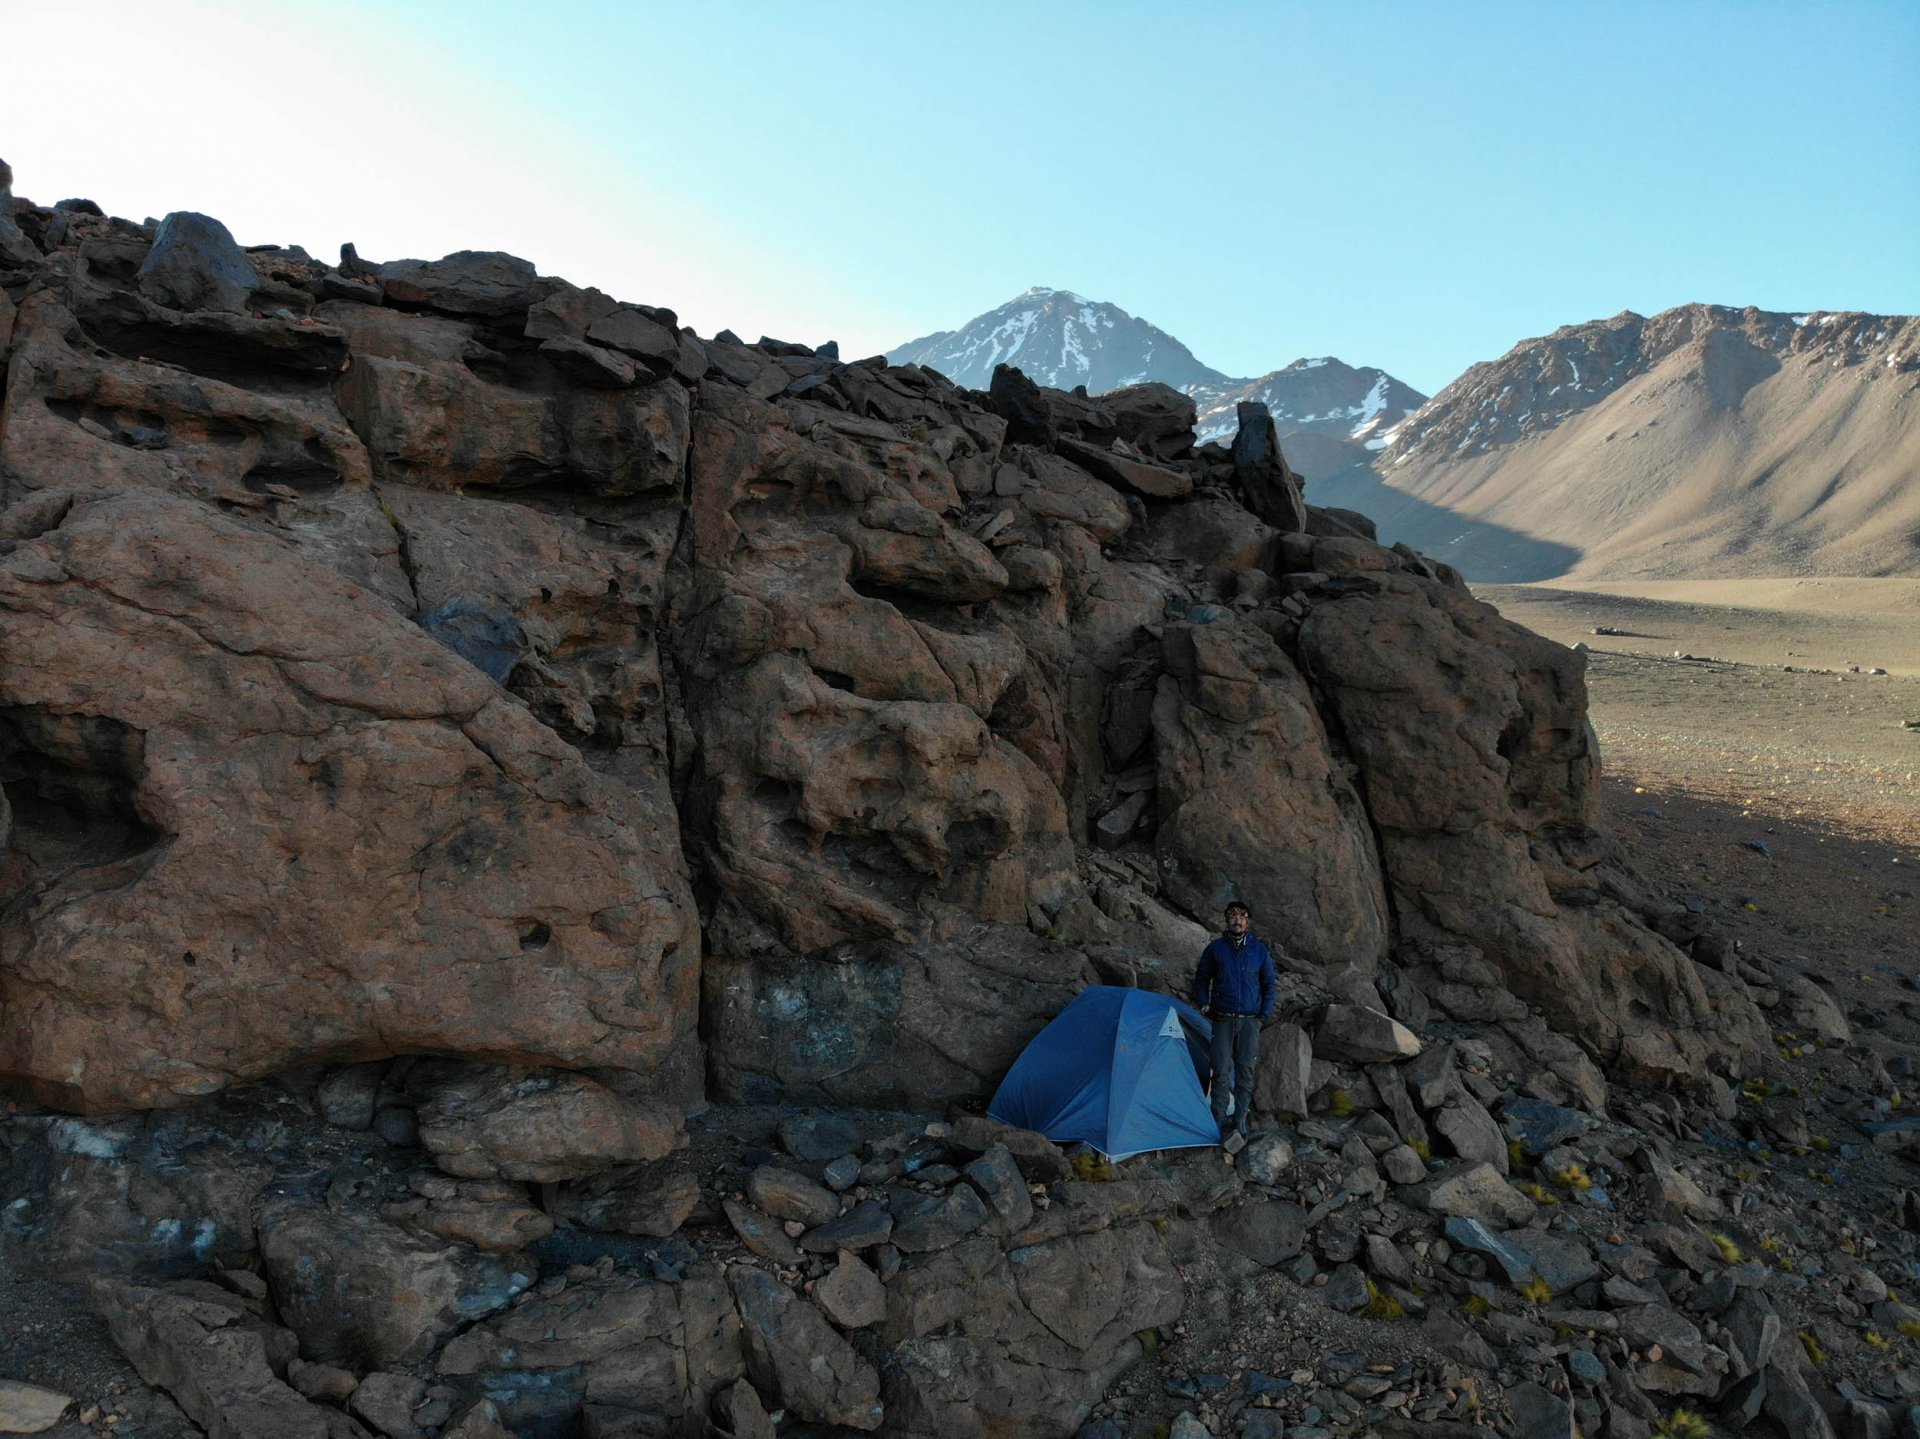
x=1755, y=765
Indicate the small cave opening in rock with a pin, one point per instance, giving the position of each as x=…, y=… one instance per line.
x=307, y=471
x=72, y=784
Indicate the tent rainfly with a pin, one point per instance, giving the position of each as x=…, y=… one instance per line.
x=1119, y=1069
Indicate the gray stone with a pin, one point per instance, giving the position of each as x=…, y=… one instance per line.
x=1541, y=1126
x=763, y=1234
x=1403, y=1166
x=1265, y=1158
x=1526, y=1254
x=1470, y=1131
x=467, y=282
x=925, y=1222
x=1894, y=1136
x=1385, y=1259
x=1430, y=1077
x=1475, y=1192
x=218, y=1360
x=861, y=1227
x=1585, y=1368
x=851, y=1294
x=196, y=265
x=1539, y=1413
x=841, y=1174
x=998, y=1180
x=1752, y=1329
x=631, y=330
x=1362, y=1035
x=1457, y=1341
x=1346, y=1289
x=387, y=1401
x=1687, y=1363
x=746, y=1416
x=786, y=1195
x=1038, y=1158
x=29, y=1409
x=1284, y=1080
x=362, y=1292
x=347, y=1096
x=1266, y=1231
x=796, y=1356
x=1392, y=1089
x=1790, y=1404
x=587, y=364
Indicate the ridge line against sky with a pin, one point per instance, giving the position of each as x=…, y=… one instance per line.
x=1416, y=188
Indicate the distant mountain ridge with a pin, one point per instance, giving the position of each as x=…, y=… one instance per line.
x=1328, y=413
x=1704, y=440
x=1061, y=340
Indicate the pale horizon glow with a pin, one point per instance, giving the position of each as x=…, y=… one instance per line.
x=1412, y=188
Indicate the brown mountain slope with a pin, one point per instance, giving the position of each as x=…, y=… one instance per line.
x=1705, y=441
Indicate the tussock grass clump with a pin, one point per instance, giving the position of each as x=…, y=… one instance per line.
x=1536, y=1290
x=1573, y=1177
x=1381, y=1305
x=1729, y=1251
x=1816, y=1355
x=1684, y=1424
x=1094, y=1168
x=1476, y=1305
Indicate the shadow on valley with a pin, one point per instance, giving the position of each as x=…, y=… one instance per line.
x=1481, y=552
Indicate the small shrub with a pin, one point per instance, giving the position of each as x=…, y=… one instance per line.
x=1536, y=1290
x=1729, y=1251
x=1517, y=1156
x=1909, y=1327
x=1816, y=1356
x=1421, y=1148
x=1149, y=1341
x=1538, y=1192
x=1877, y=1340
x=1476, y=1305
x=1756, y=1088
x=1340, y=1104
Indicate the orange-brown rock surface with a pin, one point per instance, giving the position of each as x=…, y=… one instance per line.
x=439, y=658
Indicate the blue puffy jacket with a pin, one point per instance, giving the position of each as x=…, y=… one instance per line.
x=1236, y=977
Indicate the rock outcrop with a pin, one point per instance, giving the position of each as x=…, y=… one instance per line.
x=436, y=657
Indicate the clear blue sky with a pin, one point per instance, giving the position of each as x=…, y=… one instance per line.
x=1408, y=185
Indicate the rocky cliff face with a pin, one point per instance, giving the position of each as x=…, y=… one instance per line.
x=439, y=658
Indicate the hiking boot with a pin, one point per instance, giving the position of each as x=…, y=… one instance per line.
x=1233, y=1141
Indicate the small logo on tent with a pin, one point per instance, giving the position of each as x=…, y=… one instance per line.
x=1171, y=1029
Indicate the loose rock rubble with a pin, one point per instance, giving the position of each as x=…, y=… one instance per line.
x=531, y=833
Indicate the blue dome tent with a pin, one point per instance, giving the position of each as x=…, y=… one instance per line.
x=1119, y=1069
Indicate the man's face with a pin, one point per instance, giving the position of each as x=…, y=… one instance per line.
x=1237, y=922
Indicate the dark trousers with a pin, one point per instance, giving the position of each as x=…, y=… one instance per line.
x=1235, y=1055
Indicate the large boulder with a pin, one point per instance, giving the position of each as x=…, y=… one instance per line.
x=223, y=1364
x=539, y=1127
x=444, y=873
x=366, y=1294
x=1245, y=767
x=196, y=265
x=1481, y=780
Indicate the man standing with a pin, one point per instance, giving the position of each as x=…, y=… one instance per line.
x=1234, y=988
